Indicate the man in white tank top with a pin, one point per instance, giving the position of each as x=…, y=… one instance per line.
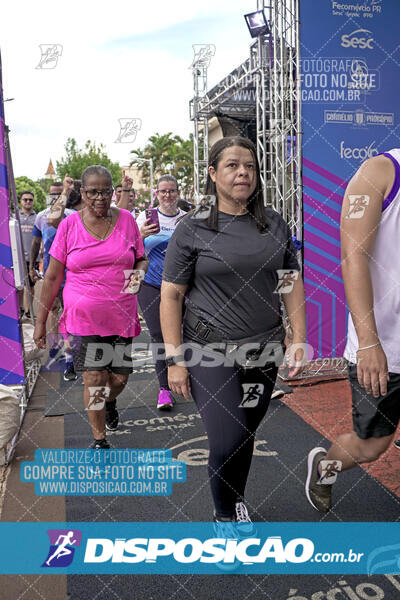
x=370, y=234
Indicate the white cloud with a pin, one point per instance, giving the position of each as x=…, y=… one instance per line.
x=97, y=81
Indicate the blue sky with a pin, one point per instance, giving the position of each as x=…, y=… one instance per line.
x=179, y=37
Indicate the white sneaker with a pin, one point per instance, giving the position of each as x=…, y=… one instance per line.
x=244, y=524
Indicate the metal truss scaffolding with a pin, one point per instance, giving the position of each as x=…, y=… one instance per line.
x=199, y=68
x=284, y=111
x=272, y=75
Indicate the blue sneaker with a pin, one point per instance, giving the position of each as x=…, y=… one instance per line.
x=226, y=529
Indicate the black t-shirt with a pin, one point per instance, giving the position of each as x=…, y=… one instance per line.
x=232, y=274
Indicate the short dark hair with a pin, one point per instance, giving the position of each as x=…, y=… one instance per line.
x=255, y=204
x=75, y=197
x=96, y=170
x=119, y=185
x=26, y=192
x=184, y=205
x=56, y=183
x=168, y=178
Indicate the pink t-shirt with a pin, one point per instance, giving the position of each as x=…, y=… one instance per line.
x=95, y=298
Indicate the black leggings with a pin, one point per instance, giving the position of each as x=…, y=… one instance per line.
x=232, y=403
x=149, y=299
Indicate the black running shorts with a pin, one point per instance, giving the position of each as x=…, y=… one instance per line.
x=374, y=417
x=97, y=353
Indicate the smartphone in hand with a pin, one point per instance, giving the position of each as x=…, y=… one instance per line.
x=152, y=214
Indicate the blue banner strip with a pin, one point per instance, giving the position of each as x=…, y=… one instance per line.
x=5, y=256
x=3, y=176
x=9, y=328
x=9, y=378
x=194, y=548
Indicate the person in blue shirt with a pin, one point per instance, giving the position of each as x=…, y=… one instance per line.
x=44, y=232
x=155, y=245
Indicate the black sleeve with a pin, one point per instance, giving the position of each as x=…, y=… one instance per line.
x=180, y=259
x=290, y=260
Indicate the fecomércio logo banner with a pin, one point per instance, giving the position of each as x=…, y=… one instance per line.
x=350, y=112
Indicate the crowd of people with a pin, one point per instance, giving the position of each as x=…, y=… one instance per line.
x=207, y=284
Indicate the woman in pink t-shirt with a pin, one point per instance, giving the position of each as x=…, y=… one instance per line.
x=100, y=247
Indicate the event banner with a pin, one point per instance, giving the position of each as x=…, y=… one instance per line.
x=161, y=548
x=12, y=366
x=350, y=85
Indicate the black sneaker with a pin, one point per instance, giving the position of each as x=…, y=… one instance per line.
x=100, y=445
x=69, y=373
x=112, y=419
x=397, y=444
x=318, y=494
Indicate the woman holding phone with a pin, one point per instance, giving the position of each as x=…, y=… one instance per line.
x=156, y=226
x=229, y=262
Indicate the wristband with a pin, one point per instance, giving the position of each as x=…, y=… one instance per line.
x=368, y=347
x=126, y=190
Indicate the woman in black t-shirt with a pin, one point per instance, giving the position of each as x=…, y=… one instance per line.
x=232, y=261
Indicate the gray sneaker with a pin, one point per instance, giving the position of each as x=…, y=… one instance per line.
x=318, y=494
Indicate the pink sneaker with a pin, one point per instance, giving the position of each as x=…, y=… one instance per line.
x=165, y=401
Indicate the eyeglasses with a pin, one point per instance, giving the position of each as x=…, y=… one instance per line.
x=165, y=192
x=94, y=194
x=27, y=199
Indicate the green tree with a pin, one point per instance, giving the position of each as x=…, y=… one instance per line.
x=45, y=184
x=142, y=166
x=171, y=155
x=23, y=184
x=77, y=159
x=183, y=165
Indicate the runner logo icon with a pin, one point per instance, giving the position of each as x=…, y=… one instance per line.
x=252, y=393
x=62, y=547
x=329, y=471
x=128, y=129
x=97, y=397
x=50, y=54
x=357, y=205
x=286, y=279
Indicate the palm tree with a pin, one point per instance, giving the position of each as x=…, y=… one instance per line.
x=158, y=148
x=171, y=154
x=183, y=169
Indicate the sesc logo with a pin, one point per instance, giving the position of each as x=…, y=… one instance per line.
x=359, y=38
x=358, y=153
